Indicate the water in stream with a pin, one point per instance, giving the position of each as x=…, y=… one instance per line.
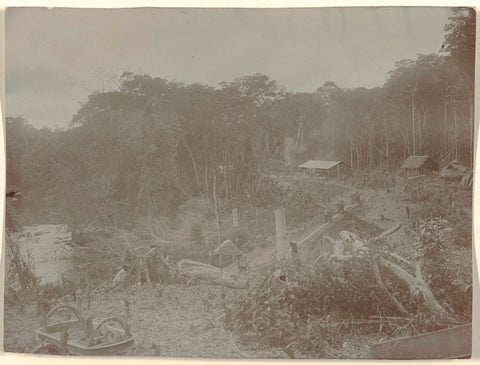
x=45, y=247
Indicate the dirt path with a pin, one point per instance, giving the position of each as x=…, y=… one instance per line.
x=183, y=321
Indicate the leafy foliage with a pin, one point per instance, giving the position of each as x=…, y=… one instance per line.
x=302, y=312
x=435, y=237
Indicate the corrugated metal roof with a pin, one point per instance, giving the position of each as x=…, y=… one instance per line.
x=415, y=162
x=453, y=169
x=319, y=164
x=228, y=248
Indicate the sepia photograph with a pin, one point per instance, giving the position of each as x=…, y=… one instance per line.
x=239, y=183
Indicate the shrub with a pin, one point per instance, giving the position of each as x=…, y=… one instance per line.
x=296, y=313
x=443, y=278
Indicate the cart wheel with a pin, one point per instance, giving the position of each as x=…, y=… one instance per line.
x=48, y=348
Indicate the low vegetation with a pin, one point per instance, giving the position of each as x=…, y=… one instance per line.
x=149, y=174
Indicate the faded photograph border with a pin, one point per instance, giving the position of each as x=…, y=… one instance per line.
x=13, y=358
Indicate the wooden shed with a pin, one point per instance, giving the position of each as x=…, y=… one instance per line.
x=419, y=165
x=454, y=170
x=327, y=169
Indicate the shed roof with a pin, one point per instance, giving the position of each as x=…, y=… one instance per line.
x=319, y=164
x=454, y=169
x=227, y=248
x=416, y=162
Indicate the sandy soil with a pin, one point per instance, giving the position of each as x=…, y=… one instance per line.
x=182, y=321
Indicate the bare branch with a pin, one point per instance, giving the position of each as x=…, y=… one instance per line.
x=404, y=260
x=388, y=233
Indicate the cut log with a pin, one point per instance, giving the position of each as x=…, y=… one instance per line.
x=378, y=278
x=418, y=287
x=212, y=274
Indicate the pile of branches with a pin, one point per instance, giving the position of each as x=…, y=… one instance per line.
x=128, y=257
x=311, y=308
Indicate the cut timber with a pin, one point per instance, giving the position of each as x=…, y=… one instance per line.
x=419, y=288
x=317, y=231
x=420, y=292
x=212, y=274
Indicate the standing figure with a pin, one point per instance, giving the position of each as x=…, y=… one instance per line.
x=242, y=262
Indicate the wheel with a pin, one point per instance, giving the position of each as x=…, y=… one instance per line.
x=49, y=349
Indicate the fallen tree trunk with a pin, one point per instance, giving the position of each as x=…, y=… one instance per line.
x=420, y=292
x=378, y=278
x=419, y=289
x=212, y=274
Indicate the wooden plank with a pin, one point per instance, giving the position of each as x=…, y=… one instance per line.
x=320, y=229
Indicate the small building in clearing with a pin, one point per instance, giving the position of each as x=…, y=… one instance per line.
x=454, y=170
x=327, y=169
x=419, y=165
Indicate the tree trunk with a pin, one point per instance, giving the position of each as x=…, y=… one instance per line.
x=206, y=181
x=406, y=145
x=418, y=289
x=413, y=119
x=299, y=131
x=387, y=149
x=370, y=149
x=212, y=274
x=219, y=234
x=197, y=179
x=358, y=156
x=351, y=148
x=378, y=278
x=419, y=125
x=456, y=132
x=444, y=126
x=472, y=130
x=424, y=120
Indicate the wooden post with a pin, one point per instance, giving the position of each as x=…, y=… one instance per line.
x=79, y=295
x=283, y=247
x=235, y=217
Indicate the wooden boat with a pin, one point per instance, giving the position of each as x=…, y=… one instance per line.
x=449, y=343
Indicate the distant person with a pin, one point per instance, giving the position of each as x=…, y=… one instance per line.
x=242, y=263
x=340, y=206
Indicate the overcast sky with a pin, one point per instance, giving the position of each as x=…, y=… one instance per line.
x=56, y=58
